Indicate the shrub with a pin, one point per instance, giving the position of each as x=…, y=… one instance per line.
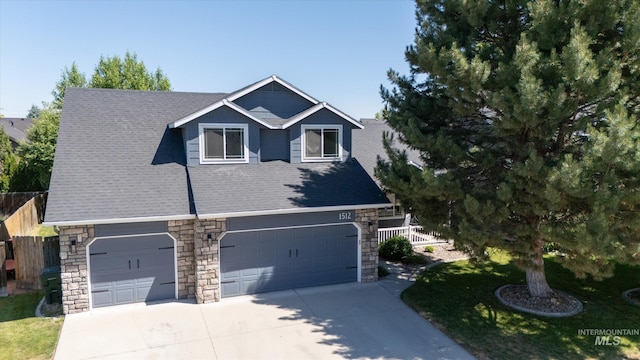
x=395, y=248
x=429, y=249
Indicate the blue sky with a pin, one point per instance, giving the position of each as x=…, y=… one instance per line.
x=337, y=50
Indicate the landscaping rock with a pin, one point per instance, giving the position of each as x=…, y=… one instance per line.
x=558, y=304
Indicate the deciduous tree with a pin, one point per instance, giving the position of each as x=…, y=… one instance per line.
x=70, y=77
x=127, y=73
x=33, y=170
x=8, y=160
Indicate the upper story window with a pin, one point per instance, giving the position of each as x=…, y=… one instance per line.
x=321, y=142
x=223, y=143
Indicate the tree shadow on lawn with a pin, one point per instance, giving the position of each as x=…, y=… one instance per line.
x=460, y=299
x=16, y=307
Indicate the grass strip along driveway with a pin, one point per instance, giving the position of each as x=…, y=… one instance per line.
x=459, y=299
x=22, y=334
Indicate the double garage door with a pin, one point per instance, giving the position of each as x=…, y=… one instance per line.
x=270, y=260
x=142, y=267
x=131, y=269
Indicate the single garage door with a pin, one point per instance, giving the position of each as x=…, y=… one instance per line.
x=131, y=269
x=270, y=260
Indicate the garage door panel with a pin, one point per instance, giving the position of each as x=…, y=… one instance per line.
x=124, y=296
x=132, y=269
x=271, y=260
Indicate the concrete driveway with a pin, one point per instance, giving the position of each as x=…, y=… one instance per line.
x=364, y=321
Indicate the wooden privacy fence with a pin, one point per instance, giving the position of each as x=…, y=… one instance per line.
x=3, y=271
x=10, y=202
x=24, y=219
x=31, y=255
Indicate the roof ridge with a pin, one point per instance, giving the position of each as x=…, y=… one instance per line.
x=148, y=91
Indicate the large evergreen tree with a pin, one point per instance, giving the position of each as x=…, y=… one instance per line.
x=526, y=114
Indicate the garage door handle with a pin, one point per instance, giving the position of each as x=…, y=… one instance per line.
x=296, y=252
x=138, y=263
x=129, y=264
x=289, y=252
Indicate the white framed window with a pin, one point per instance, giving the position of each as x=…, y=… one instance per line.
x=321, y=142
x=223, y=143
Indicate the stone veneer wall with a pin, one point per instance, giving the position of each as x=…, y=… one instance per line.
x=73, y=267
x=183, y=231
x=207, y=259
x=369, y=243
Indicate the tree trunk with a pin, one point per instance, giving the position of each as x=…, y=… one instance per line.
x=536, y=279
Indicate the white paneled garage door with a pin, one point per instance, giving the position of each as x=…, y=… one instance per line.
x=278, y=259
x=131, y=269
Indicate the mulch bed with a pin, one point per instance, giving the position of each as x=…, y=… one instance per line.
x=557, y=304
x=442, y=252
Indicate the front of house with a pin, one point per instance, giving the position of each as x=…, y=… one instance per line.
x=168, y=195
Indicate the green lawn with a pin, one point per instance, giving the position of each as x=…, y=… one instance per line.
x=459, y=299
x=42, y=230
x=22, y=335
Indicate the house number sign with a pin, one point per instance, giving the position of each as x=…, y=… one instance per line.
x=346, y=216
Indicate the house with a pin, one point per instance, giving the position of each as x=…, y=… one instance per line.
x=16, y=128
x=173, y=195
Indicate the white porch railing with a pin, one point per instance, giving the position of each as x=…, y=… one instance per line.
x=415, y=234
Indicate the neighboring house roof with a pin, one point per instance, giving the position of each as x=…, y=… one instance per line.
x=118, y=161
x=273, y=122
x=16, y=128
x=367, y=145
x=279, y=187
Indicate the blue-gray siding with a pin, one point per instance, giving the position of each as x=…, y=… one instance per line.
x=130, y=228
x=220, y=116
x=322, y=117
x=274, y=145
x=288, y=220
x=273, y=101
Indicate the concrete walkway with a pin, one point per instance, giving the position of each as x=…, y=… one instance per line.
x=361, y=321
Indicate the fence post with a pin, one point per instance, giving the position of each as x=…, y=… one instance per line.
x=3, y=271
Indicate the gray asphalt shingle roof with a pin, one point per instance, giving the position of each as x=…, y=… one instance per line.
x=16, y=128
x=117, y=159
x=278, y=185
x=367, y=144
